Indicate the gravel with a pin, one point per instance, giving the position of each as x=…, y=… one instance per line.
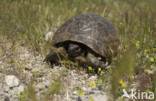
x=22, y=68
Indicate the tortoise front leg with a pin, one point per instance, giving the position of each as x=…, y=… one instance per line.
x=91, y=60
x=95, y=61
x=55, y=56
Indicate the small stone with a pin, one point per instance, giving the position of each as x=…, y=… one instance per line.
x=49, y=35
x=11, y=81
x=6, y=98
x=74, y=92
x=93, y=78
x=100, y=98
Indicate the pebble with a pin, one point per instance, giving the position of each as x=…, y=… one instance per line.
x=49, y=35
x=95, y=97
x=100, y=98
x=11, y=81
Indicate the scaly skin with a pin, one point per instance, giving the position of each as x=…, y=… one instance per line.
x=55, y=56
x=91, y=60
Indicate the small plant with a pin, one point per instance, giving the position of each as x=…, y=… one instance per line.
x=28, y=94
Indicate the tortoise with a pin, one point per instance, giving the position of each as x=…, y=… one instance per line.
x=88, y=39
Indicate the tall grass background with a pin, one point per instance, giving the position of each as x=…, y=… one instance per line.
x=27, y=22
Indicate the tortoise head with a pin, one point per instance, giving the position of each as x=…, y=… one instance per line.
x=74, y=50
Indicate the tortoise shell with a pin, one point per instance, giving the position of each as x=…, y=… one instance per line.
x=91, y=30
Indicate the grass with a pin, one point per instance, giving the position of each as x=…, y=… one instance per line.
x=27, y=22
